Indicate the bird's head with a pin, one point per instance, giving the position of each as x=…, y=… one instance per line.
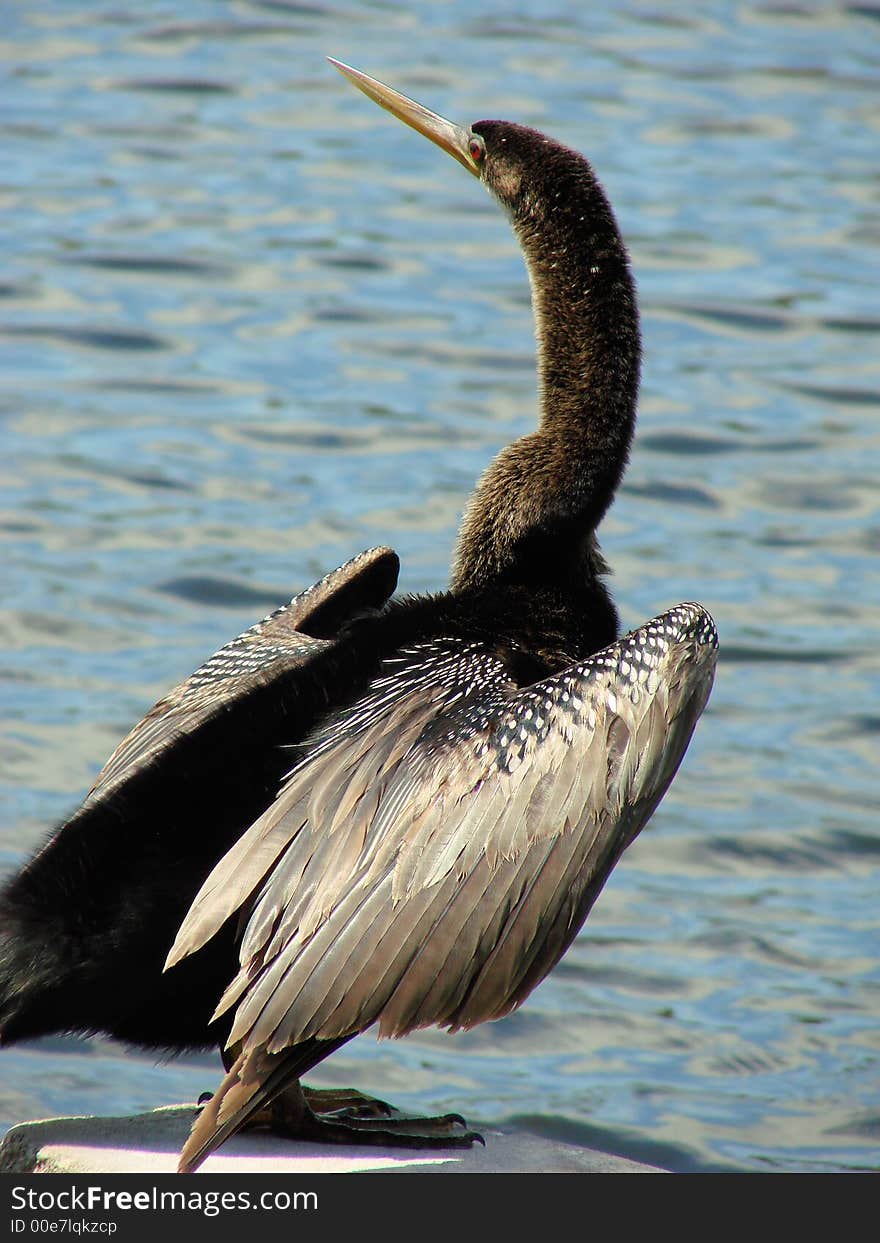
x=514, y=162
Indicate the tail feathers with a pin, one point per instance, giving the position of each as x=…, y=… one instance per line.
x=253, y=1082
x=26, y=987
x=237, y=1099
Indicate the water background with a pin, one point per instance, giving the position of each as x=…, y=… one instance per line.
x=250, y=325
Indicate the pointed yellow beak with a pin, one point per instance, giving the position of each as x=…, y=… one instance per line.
x=452, y=138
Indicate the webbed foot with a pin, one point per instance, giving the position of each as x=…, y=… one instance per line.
x=346, y=1116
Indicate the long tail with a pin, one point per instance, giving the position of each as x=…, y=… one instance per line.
x=253, y=1082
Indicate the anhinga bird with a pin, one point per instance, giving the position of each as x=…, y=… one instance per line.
x=468, y=766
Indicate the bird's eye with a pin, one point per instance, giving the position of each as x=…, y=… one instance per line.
x=476, y=149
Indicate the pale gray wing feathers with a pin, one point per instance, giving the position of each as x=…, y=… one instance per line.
x=274, y=645
x=436, y=853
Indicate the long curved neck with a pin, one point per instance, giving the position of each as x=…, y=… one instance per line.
x=535, y=511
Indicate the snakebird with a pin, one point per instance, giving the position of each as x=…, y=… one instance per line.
x=368, y=811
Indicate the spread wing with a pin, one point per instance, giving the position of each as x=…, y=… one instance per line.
x=274, y=645
x=438, y=850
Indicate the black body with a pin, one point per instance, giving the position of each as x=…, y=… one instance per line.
x=85, y=927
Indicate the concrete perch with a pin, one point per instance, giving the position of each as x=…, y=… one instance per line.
x=150, y=1143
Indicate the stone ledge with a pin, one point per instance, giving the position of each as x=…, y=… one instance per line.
x=149, y=1144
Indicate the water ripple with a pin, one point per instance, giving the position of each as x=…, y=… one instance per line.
x=90, y=338
x=154, y=265
x=674, y=494
x=748, y=654
x=181, y=86
x=222, y=592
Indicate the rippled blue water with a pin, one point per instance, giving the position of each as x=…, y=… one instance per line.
x=248, y=326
